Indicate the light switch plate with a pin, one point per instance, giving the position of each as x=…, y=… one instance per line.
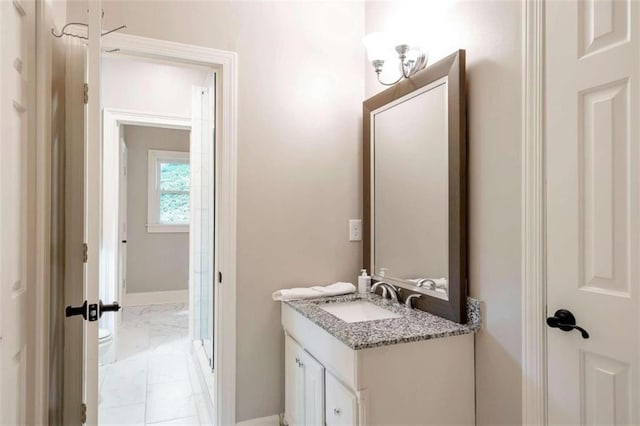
x=355, y=230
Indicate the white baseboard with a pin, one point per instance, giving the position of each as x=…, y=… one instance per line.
x=156, y=298
x=262, y=421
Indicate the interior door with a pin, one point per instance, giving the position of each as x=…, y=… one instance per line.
x=17, y=179
x=92, y=185
x=82, y=239
x=592, y=140
x=75, y=76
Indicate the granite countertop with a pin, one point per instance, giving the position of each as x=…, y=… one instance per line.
x=413, y=326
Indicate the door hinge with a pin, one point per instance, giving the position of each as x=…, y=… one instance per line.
x=219, y=277
x=86, y=93
x=85, y=253
x=84, y=413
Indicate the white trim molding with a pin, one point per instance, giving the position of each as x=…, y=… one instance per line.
x=533, y=218
x=156, y=298
x=163, y=228
x=262, y=421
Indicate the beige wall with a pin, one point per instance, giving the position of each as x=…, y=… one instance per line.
x=152, y=87
x=490, y=31
x=155, y=261
x=300, y=91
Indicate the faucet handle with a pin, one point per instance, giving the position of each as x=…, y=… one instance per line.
x=409, y=298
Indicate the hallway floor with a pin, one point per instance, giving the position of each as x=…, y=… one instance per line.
x=155, y=380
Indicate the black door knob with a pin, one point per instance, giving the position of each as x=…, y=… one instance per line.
x=72, y=311
x=565, y=321
x=92, y=312
x=112, y=307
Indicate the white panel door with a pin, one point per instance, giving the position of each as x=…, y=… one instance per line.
x=75, y=76
x=17, y=179
x=592, y=140
x=83, y=170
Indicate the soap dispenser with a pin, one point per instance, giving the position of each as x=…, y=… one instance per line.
x=364, y=282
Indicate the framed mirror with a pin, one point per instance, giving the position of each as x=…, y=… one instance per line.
x=415, y=188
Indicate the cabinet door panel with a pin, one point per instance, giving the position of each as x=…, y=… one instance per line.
x=313, y=390
x=341, y=407
x=294, y=384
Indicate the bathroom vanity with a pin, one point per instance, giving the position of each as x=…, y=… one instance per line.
x=408, y=368
x=408, y=359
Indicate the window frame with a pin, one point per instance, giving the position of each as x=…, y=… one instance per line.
x=155, y=158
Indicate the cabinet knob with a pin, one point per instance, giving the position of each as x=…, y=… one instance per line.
x=336, y=411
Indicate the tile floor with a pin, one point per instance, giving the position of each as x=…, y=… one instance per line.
x=154, y=381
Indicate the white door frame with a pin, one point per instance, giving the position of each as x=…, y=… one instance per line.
x=534, y=340
x=112, y=119
x=225, y=65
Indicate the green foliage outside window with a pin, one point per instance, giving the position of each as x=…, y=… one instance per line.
x=174, y=193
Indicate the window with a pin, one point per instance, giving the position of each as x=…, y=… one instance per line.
x=168, y=198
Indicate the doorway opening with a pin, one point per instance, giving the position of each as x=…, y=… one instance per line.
x=158, y=241
x=92, y=155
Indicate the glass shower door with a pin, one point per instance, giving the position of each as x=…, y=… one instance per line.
x=202, y=228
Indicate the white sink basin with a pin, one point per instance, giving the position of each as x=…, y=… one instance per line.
x=358, y=311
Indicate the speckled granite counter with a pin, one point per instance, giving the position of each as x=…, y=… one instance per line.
x=414, y=325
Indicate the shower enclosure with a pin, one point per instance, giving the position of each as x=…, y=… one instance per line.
x=203, y=221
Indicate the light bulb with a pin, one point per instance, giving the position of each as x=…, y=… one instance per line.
x=378, y=46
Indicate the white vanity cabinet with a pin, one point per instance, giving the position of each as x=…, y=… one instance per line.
x=313, y=396
x=428, y=382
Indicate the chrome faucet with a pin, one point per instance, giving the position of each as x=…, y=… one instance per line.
x=388, y=290
x=407, y=301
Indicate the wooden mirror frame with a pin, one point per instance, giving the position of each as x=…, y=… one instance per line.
x=452, y=67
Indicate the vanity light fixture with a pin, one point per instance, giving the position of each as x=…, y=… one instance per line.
x=380, y=46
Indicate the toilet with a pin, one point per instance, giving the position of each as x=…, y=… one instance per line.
x=105, y=343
